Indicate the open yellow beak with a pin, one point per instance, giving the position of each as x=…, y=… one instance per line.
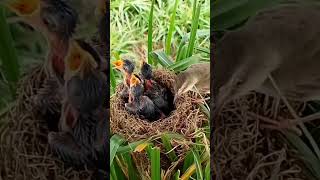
x=23, y=7
x=79, y=61
x=134, y=80
x=118, y=64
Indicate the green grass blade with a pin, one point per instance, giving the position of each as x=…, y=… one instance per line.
x=185, y=63
x=312, y=162
x=194, y=28
x=207, y=171
x=150, y=31
x=225, y=6
x=171, y=28
x=177, y=175
x=188, y=161
x=182, y=53
x=198, y=164
x=119, y=173
x=113, y=173
x=115, y=142
x=239, y=14
x=8, y=54
x=167, y=144
x=154, y=154
x=162, y=58
x=113, y=80
x=133, y=173
x=130, y=147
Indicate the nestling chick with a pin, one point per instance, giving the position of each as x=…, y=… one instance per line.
x=56, y=20
x=197, y=75
x=127, y=68
x=85, y=86
x=141, y=105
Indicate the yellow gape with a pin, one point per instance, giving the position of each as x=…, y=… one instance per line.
x=134, y=81
x=78, y=62
x=23, y=7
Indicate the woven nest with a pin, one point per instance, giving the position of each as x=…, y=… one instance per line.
x=24, y=150
x=246, y=151
x=184, y=119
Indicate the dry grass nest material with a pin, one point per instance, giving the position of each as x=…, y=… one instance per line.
x=185, y=119
x=24, y=151
x=245, y=151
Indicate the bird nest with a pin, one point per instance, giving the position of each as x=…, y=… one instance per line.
x=244, y=150
x=184, y=119
x=24, y=150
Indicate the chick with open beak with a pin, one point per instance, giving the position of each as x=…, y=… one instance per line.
x=56, y=20
x=126, y=67
x=83, y=136
x=85, y=86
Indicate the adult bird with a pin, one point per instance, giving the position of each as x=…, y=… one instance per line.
x=56, y=20
x=197, y=75
x=276, y=51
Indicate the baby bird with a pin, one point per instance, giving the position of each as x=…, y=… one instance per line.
x=141, y=105
x=158, y=94
x=56, y=20
x=85, y=86
x=283, y=43
x=127, y=68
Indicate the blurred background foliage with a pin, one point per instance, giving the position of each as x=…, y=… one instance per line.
x=230, y=15
x=20, y=49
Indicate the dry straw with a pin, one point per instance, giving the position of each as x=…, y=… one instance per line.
x=245, y=151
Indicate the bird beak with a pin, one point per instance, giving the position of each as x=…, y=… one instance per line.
x=23, y=7
x=118, y=64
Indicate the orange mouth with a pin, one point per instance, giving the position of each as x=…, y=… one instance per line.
x=23, y=7
x=75, y=62
x=134, y=80
x=118, y=64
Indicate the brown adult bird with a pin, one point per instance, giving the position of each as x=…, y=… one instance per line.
x=280, y=44
x=197, y=75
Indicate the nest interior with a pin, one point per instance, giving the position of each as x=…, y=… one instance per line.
x=246, y=151
x=184, y=119
x=24, y=150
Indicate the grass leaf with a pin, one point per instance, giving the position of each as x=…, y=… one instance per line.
x=154, y=153
x=8, y=54
x=150, y=31
x=171, y=28
x=167, y=144
x=194, y=28
x=162, y=58
x=115, y=142
x=198, y=164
